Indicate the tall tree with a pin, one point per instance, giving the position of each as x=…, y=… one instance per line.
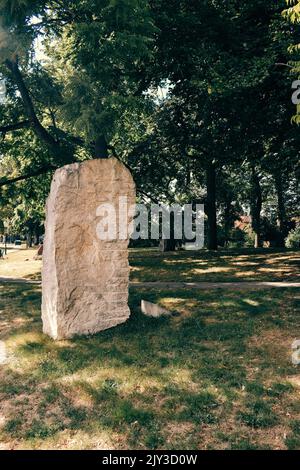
x=103, y=46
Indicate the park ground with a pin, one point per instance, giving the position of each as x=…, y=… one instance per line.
x=217, y=374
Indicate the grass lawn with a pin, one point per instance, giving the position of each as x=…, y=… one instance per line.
x=20, y=263
x=223, y=266
x=151, y=265
x=216, y=375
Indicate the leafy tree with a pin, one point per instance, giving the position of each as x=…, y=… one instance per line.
x=219, y=85
x=292, y=15
x=221, y=135
x=69, y=104
x=103, y=45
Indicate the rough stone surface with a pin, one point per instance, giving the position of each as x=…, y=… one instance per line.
x=84, y=279
x=153, y=310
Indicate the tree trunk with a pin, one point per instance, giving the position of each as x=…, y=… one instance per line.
x=29, y=240
x=62, y=153
x=257, y=240
x=167, y=245
x=281, y=212
x=40, y=131
x=211, y=212
x=170, y=244
x=101, y=150
x=227, y=220
x=37, y=233
x=256, y=205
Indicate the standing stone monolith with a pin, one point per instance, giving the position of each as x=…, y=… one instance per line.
x=85, y=278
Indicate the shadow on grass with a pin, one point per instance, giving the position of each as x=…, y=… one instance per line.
x=225, y=265
x=152, y=382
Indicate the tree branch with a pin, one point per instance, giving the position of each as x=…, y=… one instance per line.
x=47, y=169
x=140, y=191
x=280, y=64
x=14, y=127
x=34, y=173
x=143, y=193
x=40, y=131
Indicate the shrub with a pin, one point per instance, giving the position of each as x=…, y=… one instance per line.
x=293, y=239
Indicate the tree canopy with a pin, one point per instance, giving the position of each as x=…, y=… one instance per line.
x=194, y=96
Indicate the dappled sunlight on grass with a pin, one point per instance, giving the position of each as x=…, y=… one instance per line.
x=251, y=302
x=152, y=265
x=83, y=440
x=218, y=370
x=242, y=263
x=295, y=381
x=20, y=264
x=222, y=266
x=209, y=270
x=279, y=270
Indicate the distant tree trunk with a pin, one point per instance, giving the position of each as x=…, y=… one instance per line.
x=37, y=233
x=281, y=212
x=29, y=239
x=227, y=220
x=101, y=150
x=211, y=211
x=167, y=245
x=256, y=205
x=257, y=240
x=170, y=244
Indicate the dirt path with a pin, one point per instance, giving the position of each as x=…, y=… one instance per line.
x=184, y=285
x=18, y=280
x=214, y=285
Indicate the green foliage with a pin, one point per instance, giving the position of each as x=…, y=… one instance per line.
x=172, y=86
x=105, y=57
x=293, y=239
x=292, y=15
x=22, y=205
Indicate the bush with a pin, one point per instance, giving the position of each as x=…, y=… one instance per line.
x=293, y=239
x=249, y=237
x=237, y=238
x=271, y=233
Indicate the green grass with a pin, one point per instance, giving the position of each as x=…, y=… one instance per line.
x=216, y=375
x=149, y=264
x=222, y=266
x=258, y=414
